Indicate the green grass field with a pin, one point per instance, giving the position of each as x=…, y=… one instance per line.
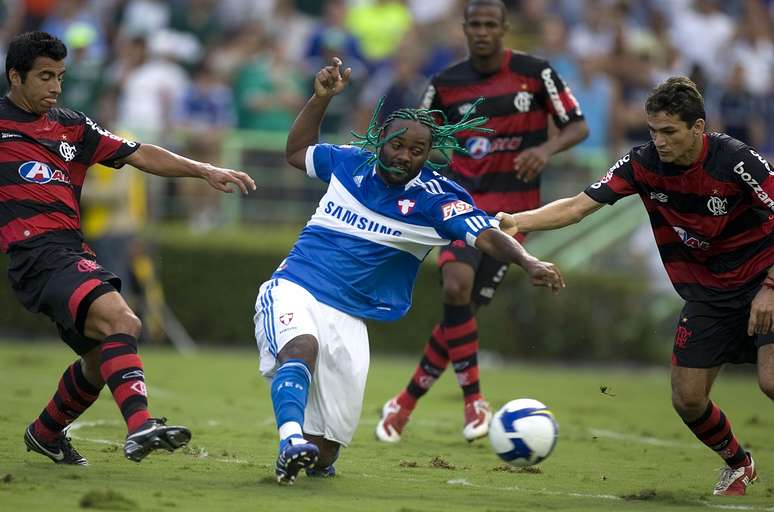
x=620, y=450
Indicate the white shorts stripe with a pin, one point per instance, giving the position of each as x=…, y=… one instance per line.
x=265, y=310
x=267, y=303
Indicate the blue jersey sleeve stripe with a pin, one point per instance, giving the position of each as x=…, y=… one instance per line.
x=309, y=162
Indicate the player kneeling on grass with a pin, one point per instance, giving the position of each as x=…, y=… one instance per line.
x=45, y=153
x=710, y=199
x=357, y=258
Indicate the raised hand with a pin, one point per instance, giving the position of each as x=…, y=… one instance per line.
x=330, y=80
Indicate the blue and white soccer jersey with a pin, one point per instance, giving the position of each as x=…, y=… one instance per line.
x=361, y=250
x=359, y=254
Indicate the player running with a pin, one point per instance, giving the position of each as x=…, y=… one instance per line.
x=502, y=172
x=44, y=153
x=357, y=258
x=710, y=199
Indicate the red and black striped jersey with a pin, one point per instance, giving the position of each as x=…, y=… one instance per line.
x=712, y=220
x=43, y=162
x=518, y=99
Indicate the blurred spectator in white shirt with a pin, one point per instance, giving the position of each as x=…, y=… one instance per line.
x=152, y=90
x=701, y=33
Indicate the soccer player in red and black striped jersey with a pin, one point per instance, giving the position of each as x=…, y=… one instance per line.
x=710, y=199
x=45, y=152
x=502, y=172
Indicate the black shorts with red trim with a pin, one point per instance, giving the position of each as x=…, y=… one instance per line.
x=489, y=271
x=711, y=334
x=60, y=277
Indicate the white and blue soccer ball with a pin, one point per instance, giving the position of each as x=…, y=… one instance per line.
x=523, y=432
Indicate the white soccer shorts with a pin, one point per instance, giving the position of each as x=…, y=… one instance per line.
x=285, y=310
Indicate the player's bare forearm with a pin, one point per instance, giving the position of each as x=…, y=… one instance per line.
x=557, y=214
x=554, y=215
x=568, y=137
x=161, y=162
x=502, y=247
x=305, y=131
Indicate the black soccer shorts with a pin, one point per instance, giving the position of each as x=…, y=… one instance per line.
x=711, y=334
x=61, y=280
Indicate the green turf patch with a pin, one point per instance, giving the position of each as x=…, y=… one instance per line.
x=625, y=453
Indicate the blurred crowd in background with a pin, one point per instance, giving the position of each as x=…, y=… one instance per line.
x=190, y=74
x=222, y=81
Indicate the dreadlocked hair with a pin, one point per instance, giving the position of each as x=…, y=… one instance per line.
x=441, y=135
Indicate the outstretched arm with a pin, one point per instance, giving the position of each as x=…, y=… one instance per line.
x=161, y=162
x=502, y=247
x=305, y=132
x=557, y=214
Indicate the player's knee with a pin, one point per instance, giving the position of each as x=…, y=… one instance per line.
x=689, y=405
x=301, y=347
x=766, y=383
x=121, y=321
x=456, y=291
x=126, y=322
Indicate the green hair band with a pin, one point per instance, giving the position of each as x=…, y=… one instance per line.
x=442, y=136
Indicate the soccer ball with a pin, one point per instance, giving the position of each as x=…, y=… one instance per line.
x=523, y=432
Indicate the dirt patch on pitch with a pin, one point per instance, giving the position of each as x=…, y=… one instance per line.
x=107, y=500
x=507, y=468
x=441, y=462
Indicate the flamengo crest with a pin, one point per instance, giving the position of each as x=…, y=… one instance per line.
x=522, y=101
x=67, y=151
x=717, y=206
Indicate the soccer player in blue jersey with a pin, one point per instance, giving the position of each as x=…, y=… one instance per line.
x=357, y=258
